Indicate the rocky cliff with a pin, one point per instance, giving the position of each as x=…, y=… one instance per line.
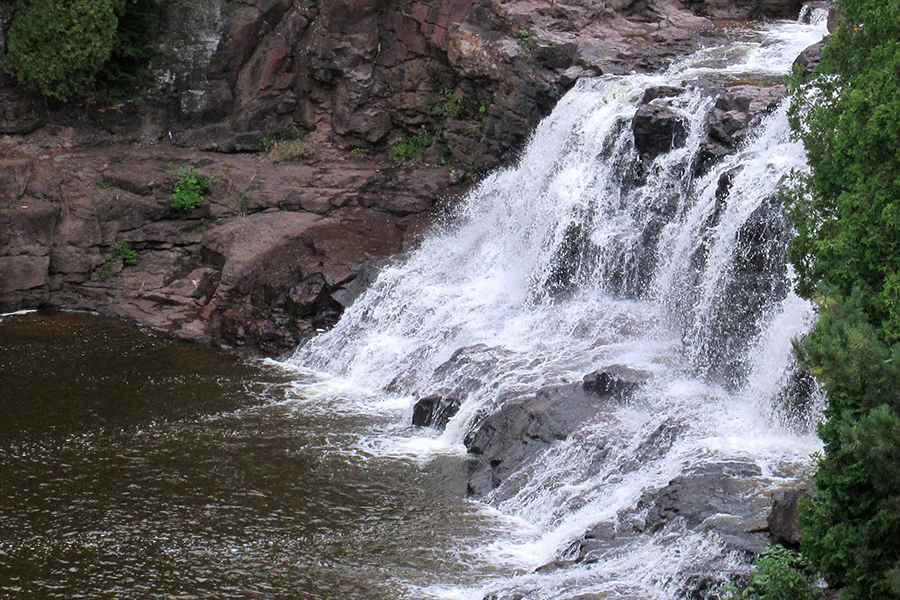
x=292, y=109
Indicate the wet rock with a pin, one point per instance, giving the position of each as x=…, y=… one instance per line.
x=784, y=519
x=514, y=435
x=553, y=566
x=434, y=411
x=809, y=59
x=747, y=9
x=600, y=539
x=738, y=109
x=724, y=498
x=658, y=129
x=661, y=91
x=732, y=118
x=616, y=381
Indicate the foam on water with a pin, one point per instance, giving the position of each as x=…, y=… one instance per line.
x=580, y=257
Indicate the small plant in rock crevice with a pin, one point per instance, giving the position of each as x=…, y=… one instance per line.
x=411, y=149
x=128, y=256
x=524, y=37
x=189, y=190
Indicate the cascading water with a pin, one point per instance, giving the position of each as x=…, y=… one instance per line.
x=583, y=256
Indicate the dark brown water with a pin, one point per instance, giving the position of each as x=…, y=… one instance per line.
x=133, y=466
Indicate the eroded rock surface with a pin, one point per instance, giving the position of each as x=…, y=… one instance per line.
x=269, y=257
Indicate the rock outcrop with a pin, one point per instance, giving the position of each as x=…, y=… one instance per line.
x=784, y=519
x=269, y=257
x=476, y=75
x=658, y=129
x=736, y=111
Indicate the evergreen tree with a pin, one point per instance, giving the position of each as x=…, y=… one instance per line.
x=66, y=49
x=847, y=214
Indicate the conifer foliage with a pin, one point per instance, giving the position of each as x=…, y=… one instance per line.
x=847, y=254
x=71, y=48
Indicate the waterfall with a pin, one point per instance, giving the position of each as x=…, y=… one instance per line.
x=586, y=255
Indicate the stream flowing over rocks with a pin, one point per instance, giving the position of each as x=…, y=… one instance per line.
x=601, y=327
x=604, y=329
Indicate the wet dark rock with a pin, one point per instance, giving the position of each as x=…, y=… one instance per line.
x=434, y=411
x=738, y=109
x=661, y=91
x=747, y=9
x=602, y=538
x=784, y=519
x=507, y=595
x=809, y=59
x=736, y=112
x=759, y=276
x=724, y=498
x=520, y=430
x=553, y=566
x=657, y=130
x=795, y=399
x=616, y=381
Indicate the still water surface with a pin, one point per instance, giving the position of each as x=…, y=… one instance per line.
x=133, y=466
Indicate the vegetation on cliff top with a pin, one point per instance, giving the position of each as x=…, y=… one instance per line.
x=78, y=47
x=847, y=255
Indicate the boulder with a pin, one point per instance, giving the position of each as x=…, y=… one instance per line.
x=658, y=129
x=738, y=109
x=513, y=436
x=723, y=497
x=661, y=91
x=434, y=411
x=784, y=519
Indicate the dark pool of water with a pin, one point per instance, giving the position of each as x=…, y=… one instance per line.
x=133, y=466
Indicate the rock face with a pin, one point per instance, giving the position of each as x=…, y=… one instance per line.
x=270, y=256
x=616, y=380
x=475, y=74
x=736, y=111
x=719, y=497
x=809, y=59
x=276, y=251
x=513, y=436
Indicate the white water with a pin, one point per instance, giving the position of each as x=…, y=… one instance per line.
x=563, y=265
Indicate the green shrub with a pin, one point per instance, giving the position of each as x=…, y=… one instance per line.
x=411, y=148
x=66, y=49
x=128, y=256
x=851, y=525
x=780, y=574
x=188, y=191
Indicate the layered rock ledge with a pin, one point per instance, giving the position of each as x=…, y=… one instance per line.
x=274, y=253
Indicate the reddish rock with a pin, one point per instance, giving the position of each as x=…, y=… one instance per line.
x=250, y=267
